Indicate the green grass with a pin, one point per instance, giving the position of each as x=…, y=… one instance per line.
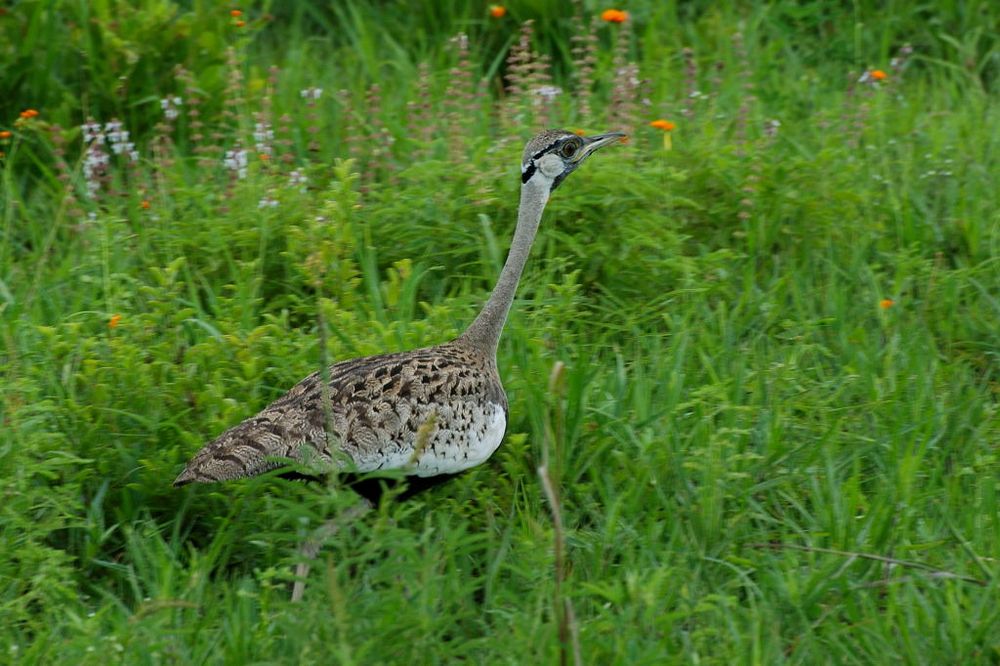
x=738, y=427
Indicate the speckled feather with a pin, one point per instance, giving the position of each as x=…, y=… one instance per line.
x=378, y=405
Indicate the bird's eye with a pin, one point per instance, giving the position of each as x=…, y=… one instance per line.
x=569, y=149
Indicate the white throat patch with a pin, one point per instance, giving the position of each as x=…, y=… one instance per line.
x=549, y=165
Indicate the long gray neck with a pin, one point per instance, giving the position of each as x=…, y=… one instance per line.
x=485, y=331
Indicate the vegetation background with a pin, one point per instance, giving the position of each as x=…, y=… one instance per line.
x=763, y=362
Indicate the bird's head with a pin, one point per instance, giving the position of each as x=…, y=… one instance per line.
x=555, y=154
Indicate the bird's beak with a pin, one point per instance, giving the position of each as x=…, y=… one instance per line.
x=598, y=141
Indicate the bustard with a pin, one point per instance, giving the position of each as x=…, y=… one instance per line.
x=429, y=412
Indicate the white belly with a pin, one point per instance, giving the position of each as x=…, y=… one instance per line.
x=460, y=438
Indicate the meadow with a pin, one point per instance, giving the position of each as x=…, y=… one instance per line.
x=757, y=344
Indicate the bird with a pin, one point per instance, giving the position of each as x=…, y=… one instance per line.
x=431, y=412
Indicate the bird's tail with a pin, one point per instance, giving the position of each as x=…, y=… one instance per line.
x=253, y=447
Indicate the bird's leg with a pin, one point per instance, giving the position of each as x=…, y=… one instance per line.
x=310, y=547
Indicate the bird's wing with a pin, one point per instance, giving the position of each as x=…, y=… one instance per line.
x=376, y=408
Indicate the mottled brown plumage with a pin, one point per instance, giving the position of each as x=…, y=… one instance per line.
x=428, y=412
x=377, y=406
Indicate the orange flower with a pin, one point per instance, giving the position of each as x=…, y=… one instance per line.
x=614, y=16
x=240, y=24
x=667, y=127
x=145, y=204
x=498, y=11
x=114, y=321
x=29, y=113
x=236, y=13
x=263, y=157
x=886, y=303
x=878, y=74
x=5, y=134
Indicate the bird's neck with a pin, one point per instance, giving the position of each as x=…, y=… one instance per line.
x=485, y=331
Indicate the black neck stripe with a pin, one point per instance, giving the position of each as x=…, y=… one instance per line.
x=528, y=172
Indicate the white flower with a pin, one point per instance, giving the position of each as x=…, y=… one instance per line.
x=262, y=132
x=94, y=164
x=296, y=178
x=91, y=132
x=169, y=106
x=548, y=92
x=267, y=202
x=236, y=160
x=262, y=136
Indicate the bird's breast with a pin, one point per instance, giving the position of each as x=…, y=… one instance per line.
x=450, y=438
